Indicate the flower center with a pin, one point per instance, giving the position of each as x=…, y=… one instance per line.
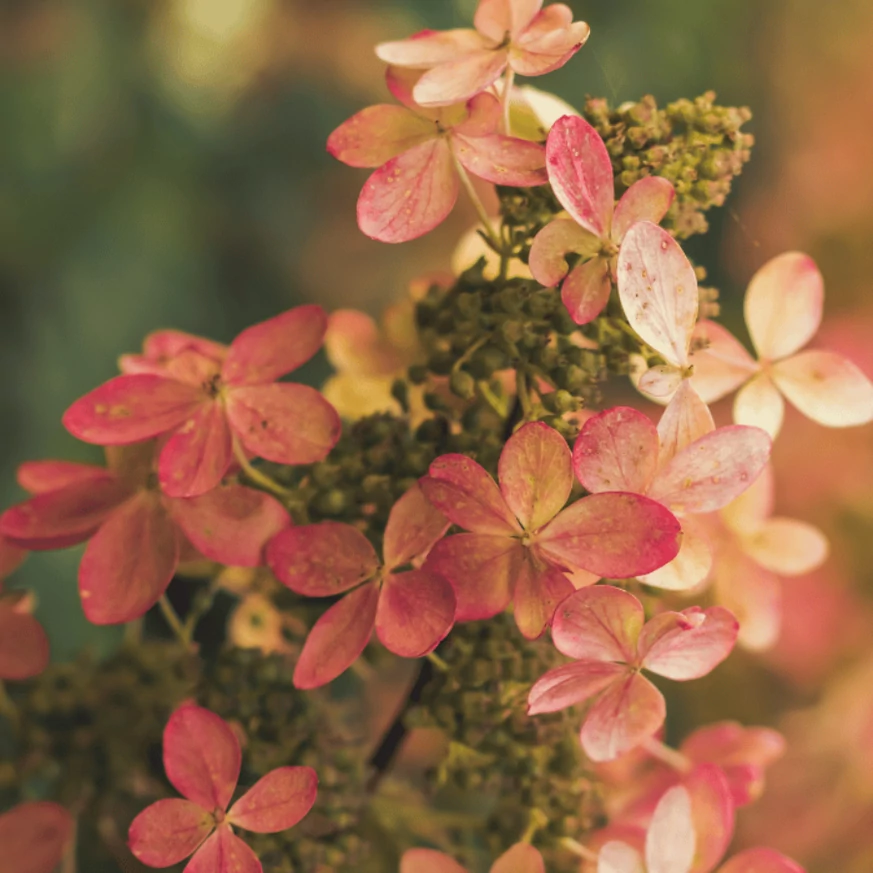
x=218, y=814
x=212, y=386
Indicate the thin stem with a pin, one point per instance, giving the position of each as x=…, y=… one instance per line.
x=521, y=389
x=495, y=402
x=438, y=662
x=536, y=821
x=173, y=620
x=478, y=204
x=202, y=604
x=256, y=475
x=669, y=756
x=69, y=862
x=508, y=82
x=578, y=849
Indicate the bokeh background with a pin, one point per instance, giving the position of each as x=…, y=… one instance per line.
x=162, y=163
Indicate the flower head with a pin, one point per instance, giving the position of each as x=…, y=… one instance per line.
x=202, y=760
x=34, y=837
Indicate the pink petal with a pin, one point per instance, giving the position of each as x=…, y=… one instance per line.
x=428, y=861
x=168, y=831
x=689, y=568
x=410, y=195
x=541, y=50
x=783, y=305
x=429, y=48
x=196, y=457
x=231, y=524
x=193, y=368
x=760, y=861
x=714, y=470
x=648, y=199
x=586, y=290
x=571, y=684
x=614, y=534
x=284, y=422
x=400, y=81
x=201, y=756
x=267, y=351
x=482, y=117
x=599, y=624
x=690, y=647
x=224, y=852
x=276, y=801
x=536, y=474
x=496, y=18
x=503, y=160
x=337, y=638
x=416, y=611
x=580, y=171
x=671, y=840
x=754, y=596
x=723, y=365
x=34, y=836
x=24, y=647
x=658, y=290
x=481, y=568
x=128, y=409
x=617, y=450
x=129, y=562
x=11, y=557
x=754, y=506
x=538, y=590
x=712, y=811
x=759, y=404
x=686, y=419
x=520, y=858
x=627, y=713
x=414, y=525
x=377, y=134
x=462, y=78
x=39, y=477
x=353, y=341
x=462, y=490
x=320, y=560
x=618, y=857
x=826, y=387
x=787, y=547
x=551, y=246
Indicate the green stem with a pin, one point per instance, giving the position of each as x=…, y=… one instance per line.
x=173, y=620
x=669, y=756
x=202, y=604
x=498, y=405
x=477, y=203
x=506, y=99
x=521, y=389
x=256, y=475
x=438, y=662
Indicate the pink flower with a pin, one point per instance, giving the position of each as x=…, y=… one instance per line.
x=621, y=450
x=518, y=34
x=604, y=630
x=420, y=154
x=783, y=309
x=520, y=858
x=411, y=610
x=34, y=837
x=521, y=540
x=24, y=646
x=208, y=397
x=135, y=533
x=580, y=172
x=202, y=760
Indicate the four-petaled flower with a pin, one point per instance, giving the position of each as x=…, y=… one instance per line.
x=518, y=34
x=520, y=858
x=208, y=397
x=604, y=630
x=34, y=836
x=202, y=759
x=411, y=610
x=783, y=309
x=522, y=541
x=580, y=172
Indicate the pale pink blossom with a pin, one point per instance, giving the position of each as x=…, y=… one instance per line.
x=520, y=858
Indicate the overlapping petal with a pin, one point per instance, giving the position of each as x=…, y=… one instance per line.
x=168, y=831
x=429, y=48
x=571, y=684
x=40, y=477
x=277, y=801
x=618, y=857
x=712, y=814
x=539, y=588
x=502, y=160
x=671, y=839
x=460, y=79
x=586, y=290
x=553, y=243
x=722, y=365
x=377, y=134
x=496, y=18
x=648, y=199
x=414, y=525
x=759, y=404
x=690, y=567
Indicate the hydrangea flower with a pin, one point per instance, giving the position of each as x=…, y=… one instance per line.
x=518, y=34
x=520, y=858
x=783, y=310
x=411, y=610
x=581, y=175
x=521, y=541
x=207, y=397
x=34, y=837
x=420, y=155
x=604, y=630
x=135, y=534
x=202, y=760
x=24, y=646
x=621, y=450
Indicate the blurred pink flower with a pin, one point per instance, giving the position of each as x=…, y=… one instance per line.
x=34, y=837
x=520, y=858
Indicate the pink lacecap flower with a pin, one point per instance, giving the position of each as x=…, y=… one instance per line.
x=24, y=646
x=411, y=610
x=604, y=630
x=783, y=309
x=621, y=450
x=418, y=152
x=521, y=541
x=202, y=760
x=207, y=398
x=34, y=837
x=136, y=535
x=520, y=858
x=461, y=63
x=581, y=175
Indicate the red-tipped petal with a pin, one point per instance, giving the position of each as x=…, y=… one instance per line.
x=24, y=647
x=337, y=638
x=284, y=422
x=128, y=409
x=34, y=836
x=129, y=562
x=201, y=756
x=712, y=812
x=428, y=861
x=686, y=419
x=617, y=450
x=520, y=858
x=276, y=801
x=553, y=243
x=429, y=48
x=536, y=474
x=646, y=200
x=460, y=79
x=671, y=840
x=267, y=351
x=496, y=18
x=502, y=160
x=39, y=477
x=414, y=525
x=416, y=611
x=586, y=290
x=320, y=560
x=231, y=524
x=722, y=365
x=168, y=831
x=760, y=861
x=614, y=534
x=689, y=644
x=538, y=590
x=224, y=852
x=571, y=684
